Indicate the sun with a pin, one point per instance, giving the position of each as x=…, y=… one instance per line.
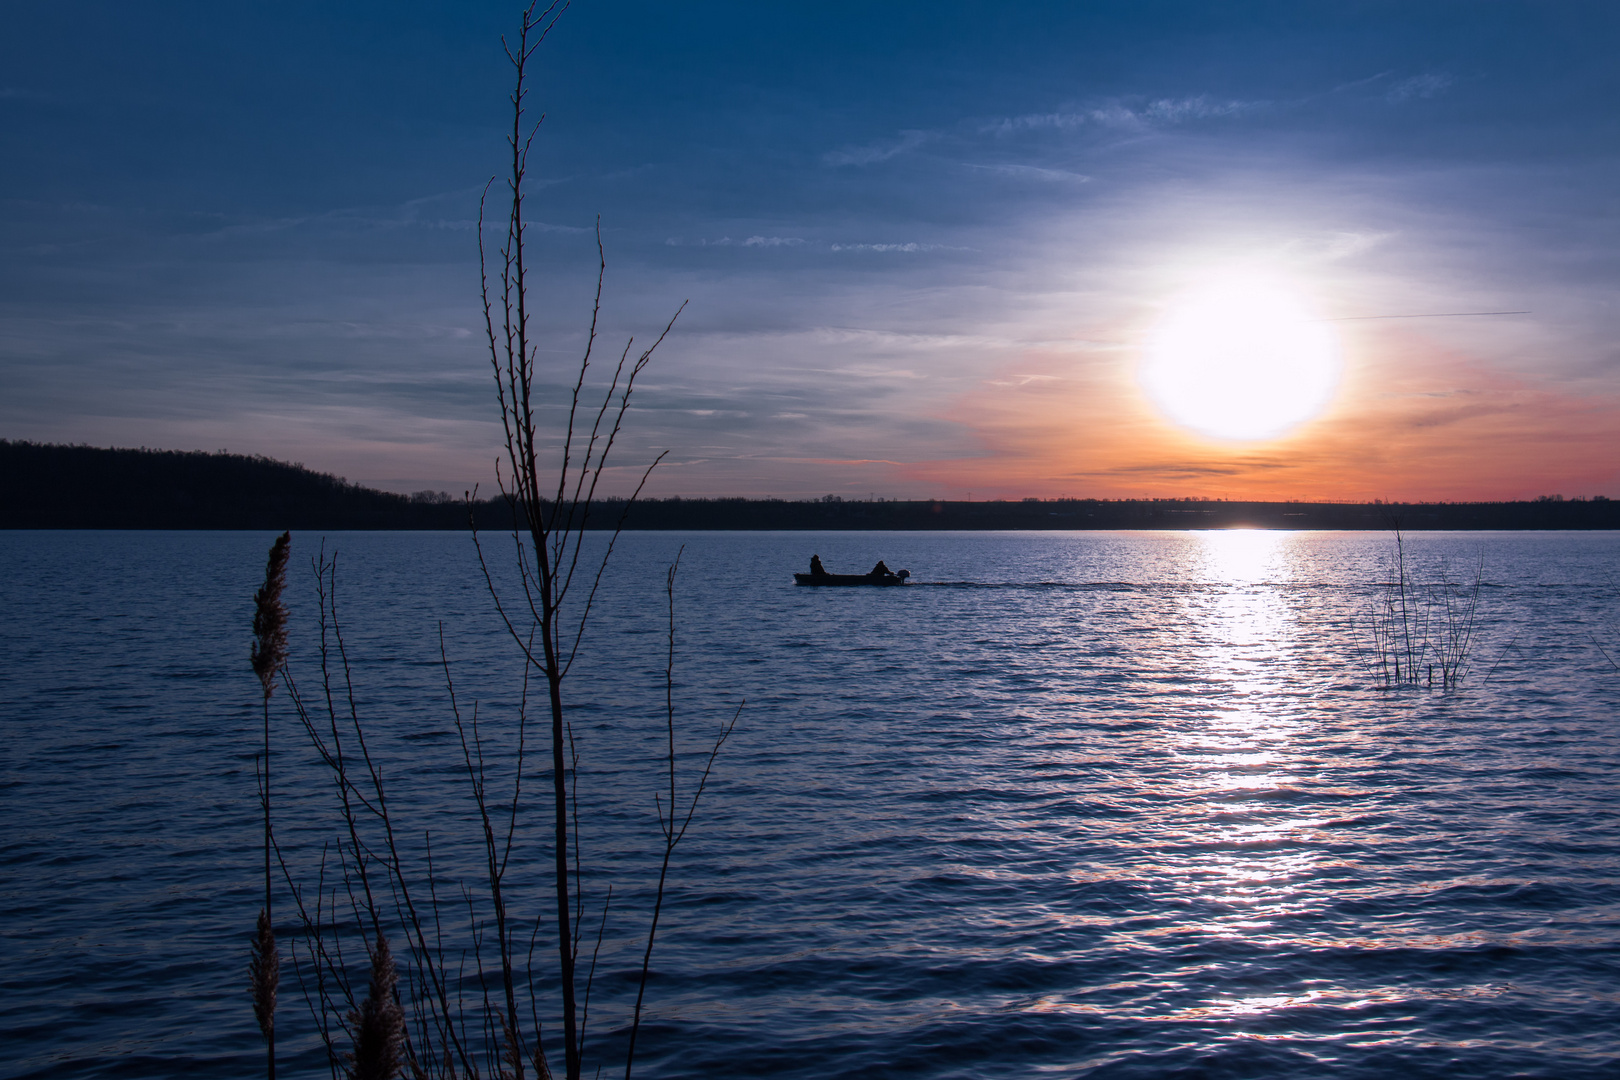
x=1242, y=359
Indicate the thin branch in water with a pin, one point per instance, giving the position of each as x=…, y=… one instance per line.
x=1593, y=639
x=673, y=834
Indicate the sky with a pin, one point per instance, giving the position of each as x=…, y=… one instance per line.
x=924, y=248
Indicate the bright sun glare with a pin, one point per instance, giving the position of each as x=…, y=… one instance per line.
x=1242, y=359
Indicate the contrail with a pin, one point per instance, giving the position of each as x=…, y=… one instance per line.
x=1431, y=315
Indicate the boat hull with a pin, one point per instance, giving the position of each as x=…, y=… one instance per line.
x=848, y=579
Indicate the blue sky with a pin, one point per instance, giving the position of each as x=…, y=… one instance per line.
x=921, y=242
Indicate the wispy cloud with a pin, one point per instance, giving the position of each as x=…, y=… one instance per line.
x=1335, y=246
x=1456, y=414
x=1186, y=470
x=411, y=214
x=1125, y=114
x=1427, y=85
x=750, y=242
x=909, y=247
x=865, y=372
x=1034, y=172
x=892, y=340
x=872, y=153
x=903, y=247
x=841, y=461
x=1021, y=380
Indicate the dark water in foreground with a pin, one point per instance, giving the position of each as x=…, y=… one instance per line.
x=1099, y=805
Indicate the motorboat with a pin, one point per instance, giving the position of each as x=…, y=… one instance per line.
x=880, y=576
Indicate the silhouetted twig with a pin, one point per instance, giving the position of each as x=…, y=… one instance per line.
x=671, y=822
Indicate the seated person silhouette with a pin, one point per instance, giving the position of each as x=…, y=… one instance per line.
x=816, y=569
x=880, y=570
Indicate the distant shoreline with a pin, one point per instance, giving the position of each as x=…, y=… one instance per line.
x=78, y=487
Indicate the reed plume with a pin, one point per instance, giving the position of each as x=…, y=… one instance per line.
x=270, y=617
x=378, y=1025
x=264, y=974
x=269, y=656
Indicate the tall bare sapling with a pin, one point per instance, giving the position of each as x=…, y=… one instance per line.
x=468, y=992
x=551, y=496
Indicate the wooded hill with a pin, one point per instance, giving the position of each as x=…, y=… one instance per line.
x=80, y=487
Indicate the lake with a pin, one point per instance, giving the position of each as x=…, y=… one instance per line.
x=1094, y=805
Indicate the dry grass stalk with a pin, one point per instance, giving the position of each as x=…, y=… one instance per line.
x=269, y=656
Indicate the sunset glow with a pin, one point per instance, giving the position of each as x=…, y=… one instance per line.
x=1070, y=253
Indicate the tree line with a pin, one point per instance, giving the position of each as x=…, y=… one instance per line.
x=44, y=486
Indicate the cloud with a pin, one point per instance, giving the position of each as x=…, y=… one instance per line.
x=411, y=214
x=889, y=341
x=1176, y=111
x=1185, y=470
x=1033, y=172
x=1021, y=380
x=1419, y=86
x=867, y=371
x=872, y=153
x=750, y=242
x=1357, y=84
x=841, y=461
x=1118, y=114
x=1427, y=85
x=1335, y=246
x=1458, y=414
x=910, y=247
x=799, y=241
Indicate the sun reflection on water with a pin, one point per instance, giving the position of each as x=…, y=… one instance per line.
x=1242, y=556
x=1245, y=821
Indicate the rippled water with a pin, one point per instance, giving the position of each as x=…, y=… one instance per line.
x=1086, y=804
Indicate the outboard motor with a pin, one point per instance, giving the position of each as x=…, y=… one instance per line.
x=903, y=574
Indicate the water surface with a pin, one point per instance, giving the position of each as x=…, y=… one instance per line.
x=1083, y=804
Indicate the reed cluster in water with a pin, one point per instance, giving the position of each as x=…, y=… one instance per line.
x=1423, y=632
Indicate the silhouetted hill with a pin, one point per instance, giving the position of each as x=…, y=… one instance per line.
x=81, y=487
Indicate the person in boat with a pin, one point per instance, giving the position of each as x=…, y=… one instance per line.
x=816, y=569
x=881, y=570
